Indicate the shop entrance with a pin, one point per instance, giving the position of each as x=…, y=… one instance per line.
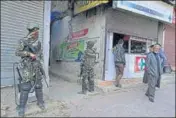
x=136, y=49
x=117, y=37
x=111, y=42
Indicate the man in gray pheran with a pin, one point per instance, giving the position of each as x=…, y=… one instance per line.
x=145, y=77
x=154, y=71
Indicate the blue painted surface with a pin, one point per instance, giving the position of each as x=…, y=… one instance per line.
x=80, y=54
x=54, y=14
x=129, y=4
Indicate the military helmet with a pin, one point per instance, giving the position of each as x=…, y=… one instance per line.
x=90, y=43
x=32, y=26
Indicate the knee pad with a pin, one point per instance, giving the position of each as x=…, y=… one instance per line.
x=39, y=85
x=25, y=87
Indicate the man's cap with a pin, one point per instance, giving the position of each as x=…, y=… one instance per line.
x=120, y=41
x=151, y=46
x=157, y=44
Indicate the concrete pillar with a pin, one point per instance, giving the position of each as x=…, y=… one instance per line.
x=46, y=44
x=161, y=33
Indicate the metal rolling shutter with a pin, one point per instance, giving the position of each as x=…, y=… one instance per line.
x=15, y=15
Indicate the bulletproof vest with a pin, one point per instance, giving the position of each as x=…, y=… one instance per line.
x=89, y=58
x=32, y=47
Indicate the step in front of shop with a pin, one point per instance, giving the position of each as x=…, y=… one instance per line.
x=108, y=86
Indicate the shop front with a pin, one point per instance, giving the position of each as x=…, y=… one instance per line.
x=138, y=33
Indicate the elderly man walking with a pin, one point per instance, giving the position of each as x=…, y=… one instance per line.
x=145, y=77
x=154, y=71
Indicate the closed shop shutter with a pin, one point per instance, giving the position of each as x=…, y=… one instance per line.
x=126, y=23
x=15, y=15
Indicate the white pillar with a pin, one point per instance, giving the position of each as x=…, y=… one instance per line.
x=46, y=39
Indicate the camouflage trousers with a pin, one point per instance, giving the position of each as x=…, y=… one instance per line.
x=88, y=80
x=24, y=92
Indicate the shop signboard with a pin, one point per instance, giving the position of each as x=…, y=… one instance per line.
x=72, y=51
x=139, y=63
x=154, y=9
x=79, y=34
x=83, y=5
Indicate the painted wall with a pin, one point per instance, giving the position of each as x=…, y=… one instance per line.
x=83, y=30
x=59, y=5
x=59, y=28
x=60, y=32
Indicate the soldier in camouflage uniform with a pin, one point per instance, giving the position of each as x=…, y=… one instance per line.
x=87, y=68
x=30, y=68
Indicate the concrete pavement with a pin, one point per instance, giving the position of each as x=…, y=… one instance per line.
x=108, y=86
x=64, y=101
x=132, y=103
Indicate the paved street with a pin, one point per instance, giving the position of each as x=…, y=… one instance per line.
x=132, y=103
x=129, y=102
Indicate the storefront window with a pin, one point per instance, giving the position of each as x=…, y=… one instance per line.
x=117, y=37
x=138, y=47
x=125, y=45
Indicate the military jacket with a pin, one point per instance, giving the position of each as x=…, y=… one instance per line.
x=29, y=69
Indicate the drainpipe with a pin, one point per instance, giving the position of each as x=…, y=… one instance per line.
x=70, y=13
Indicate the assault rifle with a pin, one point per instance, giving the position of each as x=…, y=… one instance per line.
x=30, y=48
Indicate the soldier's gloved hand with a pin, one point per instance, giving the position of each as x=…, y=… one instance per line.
x=95, y=49
x=33, y=56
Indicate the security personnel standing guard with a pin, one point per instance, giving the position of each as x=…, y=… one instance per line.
x=30, y=69
x=87, y=68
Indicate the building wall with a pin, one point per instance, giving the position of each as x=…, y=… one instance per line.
x=131, y=24
x=169, y=44
x=96, y=31
x=58, y=5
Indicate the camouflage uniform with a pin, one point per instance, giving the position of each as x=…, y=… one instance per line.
x=87, y=68
x=30, y=69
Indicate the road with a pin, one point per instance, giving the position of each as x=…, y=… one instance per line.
x=132, y=103
x=123, y=103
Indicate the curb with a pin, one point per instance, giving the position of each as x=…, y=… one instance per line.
x=108, y=86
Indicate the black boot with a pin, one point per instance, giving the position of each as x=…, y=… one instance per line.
x=119, y=85
x=39, y=96
x=21, y=112
x=41, y=106
x=151, y=99
x=23, y=101
x=84, y=87
x=91, y=86
x=82, y=92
